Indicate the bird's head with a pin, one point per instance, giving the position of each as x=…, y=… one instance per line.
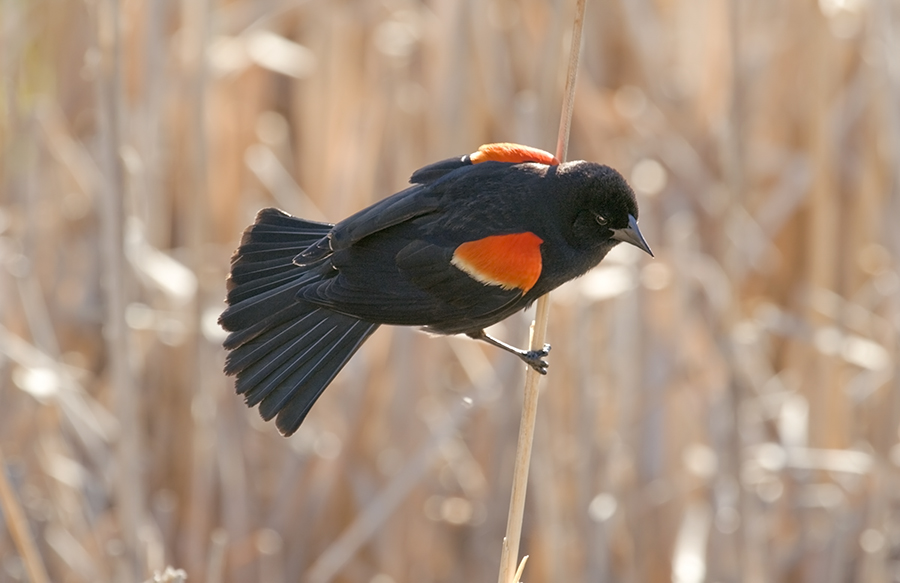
x=603, y=207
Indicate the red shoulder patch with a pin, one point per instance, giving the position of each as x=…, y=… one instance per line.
x=515, y=153
x=509, y=261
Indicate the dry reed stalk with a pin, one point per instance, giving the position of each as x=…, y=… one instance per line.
x=510, y=548
x=206, y=550
x=129, y=490
x=329, y=563
x=17, y=523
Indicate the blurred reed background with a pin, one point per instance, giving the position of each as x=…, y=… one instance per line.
x=727, y=412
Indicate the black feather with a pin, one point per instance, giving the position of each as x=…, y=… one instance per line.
x=283, y=351
x=432, y=172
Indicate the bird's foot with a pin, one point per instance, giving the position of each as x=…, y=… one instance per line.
x=535, y=358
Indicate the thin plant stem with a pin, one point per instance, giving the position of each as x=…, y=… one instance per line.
x=128, y=483
x=510, y=552
x=18, y=529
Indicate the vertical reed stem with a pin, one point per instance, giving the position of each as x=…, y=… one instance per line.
x=128, y=483
x=510, y=553
x=18, y=529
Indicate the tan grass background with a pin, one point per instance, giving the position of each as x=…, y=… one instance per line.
x=727, y=412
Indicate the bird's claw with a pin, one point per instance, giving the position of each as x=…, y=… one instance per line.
x=535, y=359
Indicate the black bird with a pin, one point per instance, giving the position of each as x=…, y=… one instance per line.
x=471, y=241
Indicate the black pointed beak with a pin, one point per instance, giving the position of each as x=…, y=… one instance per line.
x=631, y=234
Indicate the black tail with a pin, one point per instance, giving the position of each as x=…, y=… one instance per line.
x=284, y=351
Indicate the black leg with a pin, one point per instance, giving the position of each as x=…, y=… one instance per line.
x=533, y=358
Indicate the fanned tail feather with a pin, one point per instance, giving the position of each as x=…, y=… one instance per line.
x=284, y=351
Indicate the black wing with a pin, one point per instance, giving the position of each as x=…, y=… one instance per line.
x=404, y=276
x=393, y=259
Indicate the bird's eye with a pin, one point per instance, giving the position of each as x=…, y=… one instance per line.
x=601, y=220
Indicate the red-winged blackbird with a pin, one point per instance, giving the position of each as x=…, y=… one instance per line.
x=474, y=239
